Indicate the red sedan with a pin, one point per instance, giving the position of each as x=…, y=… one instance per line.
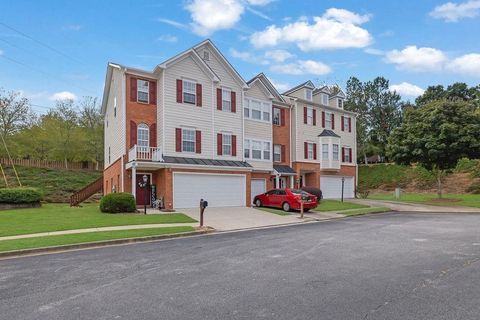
x=286, y=199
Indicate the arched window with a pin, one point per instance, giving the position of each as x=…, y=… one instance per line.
x=143, y=137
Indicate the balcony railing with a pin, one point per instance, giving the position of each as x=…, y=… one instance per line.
x=138, y=153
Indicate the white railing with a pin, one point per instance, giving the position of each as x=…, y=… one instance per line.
x=137, y=153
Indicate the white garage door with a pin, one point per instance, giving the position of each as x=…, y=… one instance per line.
x=258, y=187
x=331, y=187
x=220, y=190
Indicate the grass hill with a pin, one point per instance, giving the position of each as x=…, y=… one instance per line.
x=56, y=184
x=378, y=178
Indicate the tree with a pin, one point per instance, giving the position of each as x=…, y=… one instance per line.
x=379, y=112
x=15, y=113
x=63, y=122
x=458, y=91
x=436, y=136
x=91, y=126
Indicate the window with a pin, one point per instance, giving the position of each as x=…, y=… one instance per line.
x=346, y=124
x=310, y=150
x=226, y=100
x=227, y=144
x=325, y=151
x=142, y=90
x=310, y=116
x=325, y=99
x=142, y=137
x=257, y=149
x=266, y=151
x=335, y=152
x=246, y=149
x=189, y=91
x=206, y=55
x=328, y=120
x=347, y=154
x=277, y=153
x=188, y=140
x=276, y=117
x=257, y=110
x=308, y=94
x=340, y=103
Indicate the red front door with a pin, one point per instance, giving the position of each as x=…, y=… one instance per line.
x=142, y=193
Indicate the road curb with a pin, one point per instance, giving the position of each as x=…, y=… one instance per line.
x=99, y=244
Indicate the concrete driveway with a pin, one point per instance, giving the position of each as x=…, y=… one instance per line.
x=234, y=218
x=413, y=207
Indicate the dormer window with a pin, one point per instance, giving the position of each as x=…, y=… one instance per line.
x=308, y=94
x=324, y=99
x=340, y=103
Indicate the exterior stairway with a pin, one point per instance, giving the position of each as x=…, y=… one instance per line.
x=86, y=192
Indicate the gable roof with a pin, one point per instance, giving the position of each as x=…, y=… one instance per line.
x=267, y=84
x=328, y=133
x=309, y=84
x=219, y=54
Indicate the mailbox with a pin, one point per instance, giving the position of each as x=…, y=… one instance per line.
x=203, y=203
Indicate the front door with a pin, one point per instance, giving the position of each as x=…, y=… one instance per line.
x=283, y=183
x=142, y=194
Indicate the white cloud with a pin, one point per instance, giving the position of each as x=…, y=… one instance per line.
x=302, y=67
x=468, y=64
x=173, y=23
x=63, y=95
x=247, y=57
x=375, y=52
x=343, y=15
x=337, y=28
x=167, y=38
x=278, y=55
x=417, y=59
x=259, y=2
x=407, y=89
x=452, y=12
x=280, y=86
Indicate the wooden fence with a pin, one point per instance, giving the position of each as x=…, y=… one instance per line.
x=52, y=164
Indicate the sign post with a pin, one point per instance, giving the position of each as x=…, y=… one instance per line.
x=343, y=185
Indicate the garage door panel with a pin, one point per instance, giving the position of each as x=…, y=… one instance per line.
x=219, y=190
x=257, y=187
x=331, y=187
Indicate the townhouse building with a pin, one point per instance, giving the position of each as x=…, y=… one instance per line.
x=194, y=128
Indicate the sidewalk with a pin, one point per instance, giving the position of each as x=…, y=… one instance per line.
x=413, y=207
x=115, y=228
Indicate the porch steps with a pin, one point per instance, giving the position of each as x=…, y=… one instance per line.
x=86, y=192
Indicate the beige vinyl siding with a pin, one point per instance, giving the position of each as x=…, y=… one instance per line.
x=300, y=93
x=188, y=115
x=224, y=121
x=258, y=129
x=160, y=108
x=115, y=132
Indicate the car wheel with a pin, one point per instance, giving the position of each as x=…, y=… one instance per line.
x=258, y=203
x=286, y=206
x=306, y=210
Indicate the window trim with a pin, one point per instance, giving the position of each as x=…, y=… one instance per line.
x=310, y=116
x=193, y=140
x=339, y=101
x=308, y=90
x=347, y=154
x=324, y=99
x=265, y=107
x=337, y=152
x=194, y=94
x=147, y=92
x=143, y=126
x=310, y=146
x=346, y=124
x=249, y=142
x=327, y=151
x=328, y=119
x=225, y=134
x=229, y=95
x=279, y=116
x=279, y=153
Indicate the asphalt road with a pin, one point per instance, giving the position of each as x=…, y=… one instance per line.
x=393, y=266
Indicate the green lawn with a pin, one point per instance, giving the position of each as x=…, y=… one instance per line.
x=41, y=242
x=274, y=211
x=57, y=217
x=335, y=205
x=468, y=200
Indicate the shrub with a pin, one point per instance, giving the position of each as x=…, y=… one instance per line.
x=474, y=188
x=20, y=195
x=362, y=193
x=315, y=191
x=424, y=178
x=118, y=203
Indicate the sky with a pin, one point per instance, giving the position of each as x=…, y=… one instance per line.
x=52, y=50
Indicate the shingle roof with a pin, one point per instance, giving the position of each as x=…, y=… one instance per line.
x=206, y=162
x=283, y=169
x=328, y=133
